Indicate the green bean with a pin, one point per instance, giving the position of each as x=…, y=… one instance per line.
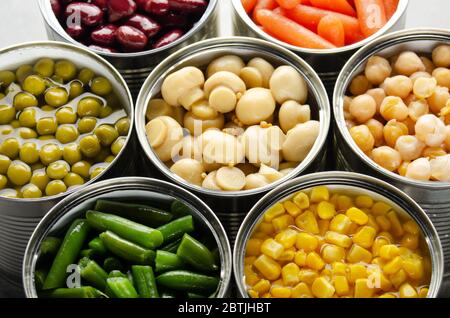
x=175, y=229
x=97, y=245
x=50, y=245
x=172, y=246
x=122, y=287
x=117, y=274
x=188, y=281
x=93, y=273
x=81, y=292
x=166, y=261
x=144, y=280
x=89, y=253
x=179, y=209
x=196, y=254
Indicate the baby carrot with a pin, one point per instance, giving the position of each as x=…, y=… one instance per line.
x=263, y=4
x=390, y=6
x=332, y=30
x=310, y=17
x=288, y=4
x=291, y=32
x=371, y=15
x=248, y=5
x=341, y=6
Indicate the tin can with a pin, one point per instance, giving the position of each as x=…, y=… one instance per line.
x=19, y=217
x=231, y=206
x=135, y=67
x=354, y=184
x=432, y=196
x=132, y=189
x=327, y=63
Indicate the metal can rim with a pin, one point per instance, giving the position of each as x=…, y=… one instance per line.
x=47, y=13
x=348, y=72
x=348, y=178
x=316, y=87
x=146, y=184
x=121, y=82
x=402, y=7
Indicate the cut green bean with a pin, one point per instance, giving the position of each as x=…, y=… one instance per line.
x=166, y=261
x=89, y=253
x=144, y=280
x=172, y=246
x=137, y=212
x=97, y=246
x=117, y=274
x=50, y=245
x=129, y=230
x=121, y=287
x=67, y=254
x=93, y=273
x=111, y=263
x=81, y=292
x=179, y=209
x=127, y=250
x=196, y=254
x=175, y=229
x=188, y=281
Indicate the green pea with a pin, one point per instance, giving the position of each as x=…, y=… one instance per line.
x=23, y=72
x=66, y=133
x=105, y=111
x=24, y=100
x=19, y=173
x=86, y=124
x=9, y=193
x=96, y=172
x=3, y=181
x=76, y=89
x=30, y=191
x=47, y=137
x=101, y=86
x=27, y=133
x=56, y=96
x=29, y=153
x=58, y=170
x=47, y=108
x=27, y=118
x=123, y=126
x=57, y=79
x=72, y=153
x=40, y=179
x=117, y=145
x=110, y=159
x=66, y=70
x=50, y=153
x=82, y=168
x=102, y=155
x=86, y=75
x=7, y=114
x=90, y=146
x=55, y=187
x=10, y=147
x=89, y=107
x=44, y=67
x=37, y=166
x=73, y=179
x=34, y=84
x=46, y=126
x=6, y=78
x=66, y=115
x=4, y=164
x=106, y=134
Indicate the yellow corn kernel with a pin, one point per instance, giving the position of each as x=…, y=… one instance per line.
x=287, y=238
x=306, y=242
x=380, y=208
x=353, y=228
x=320, y=193
x=281, y=292
x=423, y=292
x=282, y=222
x=251, y=278
x=266, y=228
x=307, y=222
x=365, y=236
x=292, y=208
x=407, y=291
x=314, y=261
x=254, y=247
x=338, y=239
x=272, y=248
x=301, y=200
x=414, y=268
x=393, y=266
x=387, y=295
x=411, y=227
x=278, y=283
x=357, y=216
x=253, y=294
x=332, y=253
x=339, y=269
x=364, y=201
x=266, y=295
x=397, y=279
x=377, y=244
x=260, y=236
x=363, y=289
x=373, y=223
x=288, y=255
x=410, y=241
x=307, y=276
x=300, y=258
x=274, y=211
x=388, y=236
x=389, y=251
x=324, y=226
x=357, y=271
x=248, y=260
x=378, y=261
x=358, y=254
x=326, y=210
x=301, y=291
x=396, y=227
x=289, y=273
x=383, y=222
x=326, y=272
x=340, y=224
x=322, y=288
x=262, y=287
x=344, y=203
x=334, y=198
x=341, y=285
x=313, y=209
x=269, y=268
x=406, y=252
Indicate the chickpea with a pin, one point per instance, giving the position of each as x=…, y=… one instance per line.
x=433, y=152
x=415, y=76
x=378, y=95
x=387, y=157
x=408, y=63
x=399, y=85
x=430, y=130
x=424, y=87
x=442, y=76
x=419, y=169
x=393, y=108
x=392, y=131
x=439, y=98
x=447, y=137
x=363, y=107
x=440, y=168
x=360, y=85
x=363, y=137
x=377, y=69
x=349, y=123
x=409, y=147
x=441, y=56
x=417, y=109
x=347, y=102
x=376, y=129
x=403, y=167
x=429, y=66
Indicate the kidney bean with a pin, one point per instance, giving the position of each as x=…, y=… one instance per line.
x=156, y=7
x=102, y=48
x=174, y=20
x=168, y=38
x=75, y=31
x=104, y=35
x=188, y=5
x=145, y=24
x=119, y=9
x=56, y=7
x=130, y=38
x=88, y=13
x=102, y=4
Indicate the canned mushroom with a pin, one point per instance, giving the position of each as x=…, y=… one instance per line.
x=232, y=121
x=337, y=235
x=67, y=117
x=399, y=97
x=128, y=238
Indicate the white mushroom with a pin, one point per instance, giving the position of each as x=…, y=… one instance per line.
x=210, y=182
x=190, y=170
x=270, y=173
x=163, y=134
x=292, y=113
x=254, y=181
x=224, y=149
x=251, y=76
x=229, y=63
x=223, y=90
x=158, y=107
x=300, y=140
x=230, y=178
x=196, y=125
x=255, y=106
x=287, y=84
